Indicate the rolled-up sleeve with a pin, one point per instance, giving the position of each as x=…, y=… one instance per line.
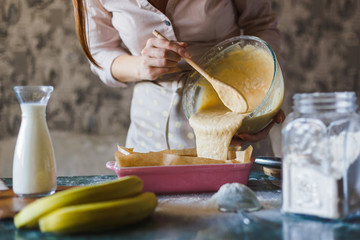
x=104, y=42
x=257, y=18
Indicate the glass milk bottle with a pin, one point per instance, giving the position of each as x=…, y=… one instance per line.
x=34, y=169
x=321, y=156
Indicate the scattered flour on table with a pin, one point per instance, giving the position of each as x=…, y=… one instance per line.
x=189, y=205
x=201, y=204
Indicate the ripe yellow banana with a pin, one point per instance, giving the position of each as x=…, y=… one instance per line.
x=119, y=188
x=99, y=216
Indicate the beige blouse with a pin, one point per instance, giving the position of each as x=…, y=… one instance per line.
x=123, y=27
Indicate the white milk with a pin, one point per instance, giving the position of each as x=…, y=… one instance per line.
x=34, y=170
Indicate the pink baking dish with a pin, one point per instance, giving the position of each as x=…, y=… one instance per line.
x=186, y=178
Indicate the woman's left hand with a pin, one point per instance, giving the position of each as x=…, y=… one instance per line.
x=242, y=138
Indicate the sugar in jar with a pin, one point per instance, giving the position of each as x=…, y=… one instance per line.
x=321, y=147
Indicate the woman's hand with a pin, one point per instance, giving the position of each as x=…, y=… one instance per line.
x=241, y=138
x=160, y=57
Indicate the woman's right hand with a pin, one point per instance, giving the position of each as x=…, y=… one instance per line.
x=242, y=138
x=160, y=57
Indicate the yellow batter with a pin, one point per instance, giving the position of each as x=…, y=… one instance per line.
x=249, y=70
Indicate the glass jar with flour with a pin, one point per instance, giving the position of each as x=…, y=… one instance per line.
x=321, y=163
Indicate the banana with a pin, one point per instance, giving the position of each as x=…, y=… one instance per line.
x=99, y=216
x=29, y=216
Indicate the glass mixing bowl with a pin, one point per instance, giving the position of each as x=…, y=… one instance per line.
x=196, y=86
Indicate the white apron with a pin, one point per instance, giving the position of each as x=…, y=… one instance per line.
x=158, y=121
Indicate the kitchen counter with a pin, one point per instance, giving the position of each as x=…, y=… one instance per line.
x=192, y=216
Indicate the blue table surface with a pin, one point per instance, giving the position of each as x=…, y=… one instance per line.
x=167, y=223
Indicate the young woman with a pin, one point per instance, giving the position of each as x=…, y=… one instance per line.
x=116, y=36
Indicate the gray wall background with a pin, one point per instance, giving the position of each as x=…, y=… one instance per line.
x=38, y=46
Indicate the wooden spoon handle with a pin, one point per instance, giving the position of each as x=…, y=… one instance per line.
x=188, y=60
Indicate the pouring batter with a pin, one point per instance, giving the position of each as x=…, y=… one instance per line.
x=250, y=70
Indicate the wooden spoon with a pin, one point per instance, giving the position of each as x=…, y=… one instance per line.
x=231, y=98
